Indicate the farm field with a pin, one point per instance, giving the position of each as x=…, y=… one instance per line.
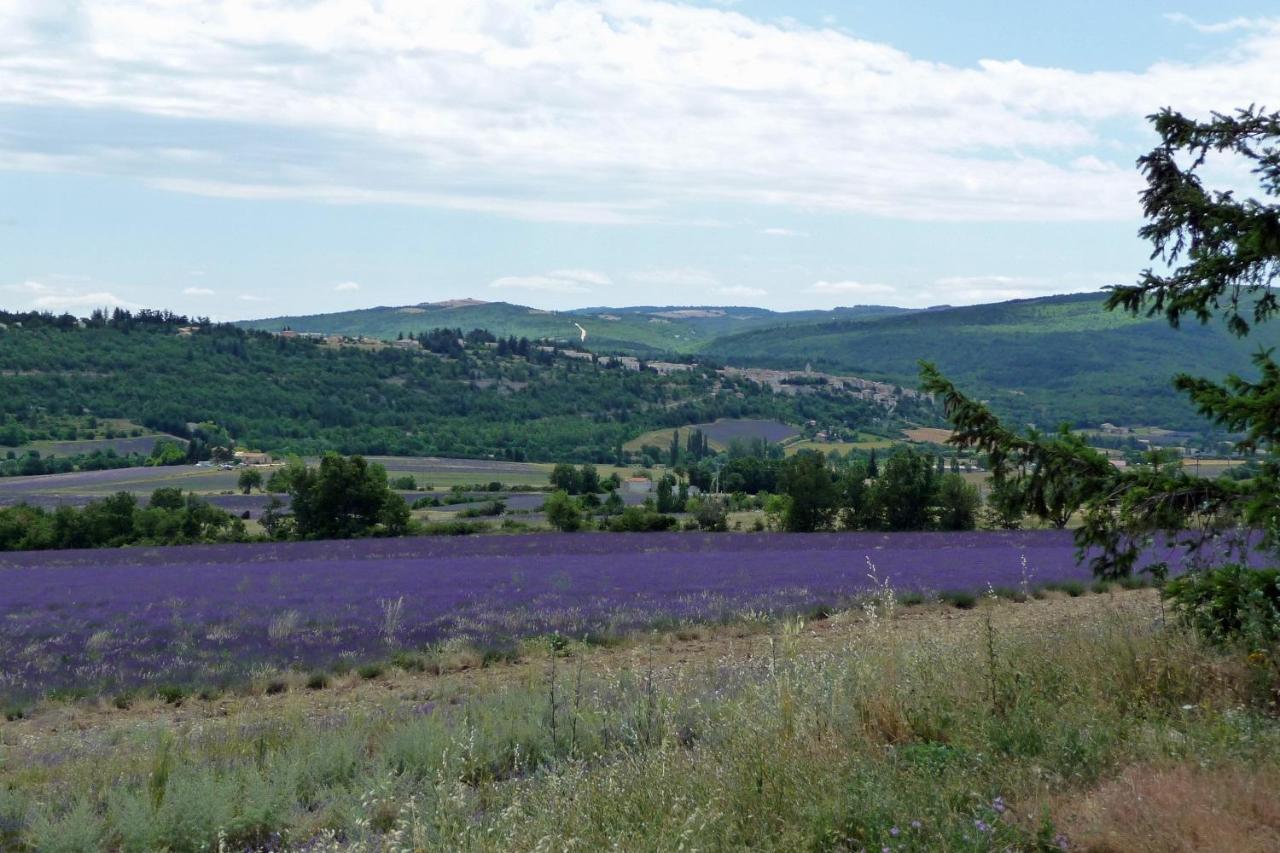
x=107, y=621
x=928, y=435
x=141, y=480
x=864, y=442
x=450, y=472
x=48, y=489
x=719, y=433
x=142, y=444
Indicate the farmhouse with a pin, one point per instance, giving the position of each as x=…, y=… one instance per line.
x=252, y=457
x=638, y=485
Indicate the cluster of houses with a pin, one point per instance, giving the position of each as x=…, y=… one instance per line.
x=808, y=381
x=626, y=362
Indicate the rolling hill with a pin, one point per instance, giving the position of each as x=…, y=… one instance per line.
x=1042, y=361
x=1046, y=360
x=644, y=330
x=281, y=394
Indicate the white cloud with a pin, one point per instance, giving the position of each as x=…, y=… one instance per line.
x=850, y=288
x=532, y=209
x=71, y=301
x=344, y=286
x=1219, y=26
x=27, y=287
x=781, y=232
x=741, y=290
x=577, y=111
x=586, y=276
x=676, y=276
x=43, y=297
x=558, y=281
x=250, y=297
x=971, y=289
x=197, y=291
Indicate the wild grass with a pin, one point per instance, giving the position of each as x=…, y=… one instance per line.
x=979, y=732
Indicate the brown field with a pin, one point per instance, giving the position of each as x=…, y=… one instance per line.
x=928, y=435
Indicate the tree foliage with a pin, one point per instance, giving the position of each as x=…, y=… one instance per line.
x=345, y=498
x=169, y=518
x=812, y=491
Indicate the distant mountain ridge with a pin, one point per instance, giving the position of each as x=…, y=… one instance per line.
x=1042, y=360
x=639, y=330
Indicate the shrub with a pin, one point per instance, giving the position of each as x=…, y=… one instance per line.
x=486, y=509
x=454, y=528
x=171, y=693
x=962, y=600
x=1075, y=589
x=13, y=818
x=76, y=831
x=1229, y=602
x=640, y=520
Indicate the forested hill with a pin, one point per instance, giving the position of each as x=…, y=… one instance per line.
x=648, y=330
x=1038, y=360
x=270, y=392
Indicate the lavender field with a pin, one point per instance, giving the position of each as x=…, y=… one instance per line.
x=101, y=621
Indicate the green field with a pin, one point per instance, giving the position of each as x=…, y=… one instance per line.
x=863, y=444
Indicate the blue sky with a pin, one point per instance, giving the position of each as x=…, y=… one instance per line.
x=241, y=160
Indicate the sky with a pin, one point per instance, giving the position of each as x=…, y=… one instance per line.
x=251, y=158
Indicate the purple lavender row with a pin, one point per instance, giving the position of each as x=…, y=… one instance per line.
x=107, y=620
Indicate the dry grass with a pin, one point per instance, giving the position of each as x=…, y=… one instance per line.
x=921, y=728
x=1180, y=808
x=929, y=435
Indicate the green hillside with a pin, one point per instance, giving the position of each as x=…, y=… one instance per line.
x=300, y=395
x=1038, y=360
x=648, y=330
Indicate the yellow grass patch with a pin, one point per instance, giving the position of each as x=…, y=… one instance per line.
x=928, y=435
x=1179, y=808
